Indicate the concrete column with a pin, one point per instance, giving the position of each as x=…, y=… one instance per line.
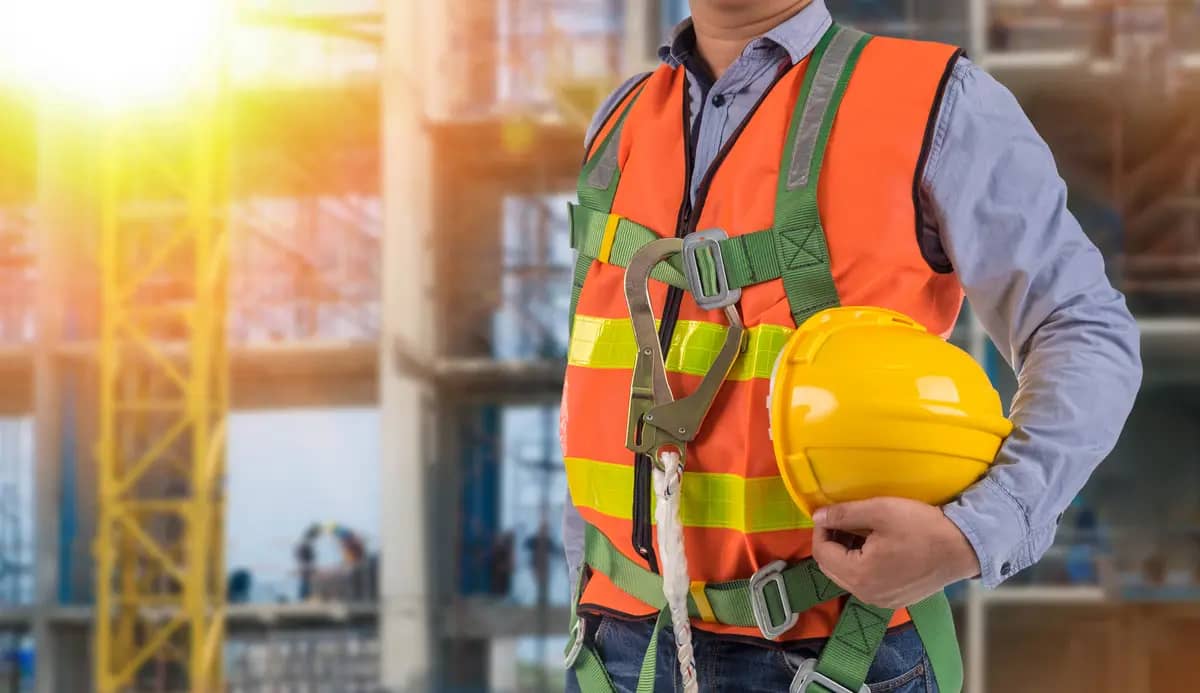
x=643, y=20
x=54, y=215
x=977, y=25
x=64, y=400
x=502, y=669
x=407, y=651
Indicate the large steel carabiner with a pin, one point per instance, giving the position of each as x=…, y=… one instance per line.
x=656, y=419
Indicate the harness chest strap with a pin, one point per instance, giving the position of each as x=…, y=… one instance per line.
x=611, y=239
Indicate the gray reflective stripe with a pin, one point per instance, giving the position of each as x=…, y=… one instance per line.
x=601, y=175
x=826, y=81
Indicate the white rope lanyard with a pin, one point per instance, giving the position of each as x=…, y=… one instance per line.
x=676, y=583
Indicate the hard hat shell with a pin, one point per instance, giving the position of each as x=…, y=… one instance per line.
x=865, y=402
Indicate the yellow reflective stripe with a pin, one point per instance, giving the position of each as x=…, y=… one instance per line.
x=609, y=237
x=724, y=501
x=609, y=343
x=702, y=604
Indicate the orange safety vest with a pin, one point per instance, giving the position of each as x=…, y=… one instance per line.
x=736, y=513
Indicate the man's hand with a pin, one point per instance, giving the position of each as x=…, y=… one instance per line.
x=907, y=551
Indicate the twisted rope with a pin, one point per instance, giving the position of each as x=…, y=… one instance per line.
x=667, y=485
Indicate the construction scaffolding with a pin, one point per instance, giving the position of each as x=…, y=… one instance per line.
x=164, y=397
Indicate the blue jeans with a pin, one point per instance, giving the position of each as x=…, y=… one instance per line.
x=740, y=665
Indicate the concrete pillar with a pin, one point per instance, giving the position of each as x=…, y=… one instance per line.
x=407, y=651
x=503, y=669
x=643, y=29
x=54, y=215
x=977, y=31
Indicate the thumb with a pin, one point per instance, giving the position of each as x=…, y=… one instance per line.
x=855, y=515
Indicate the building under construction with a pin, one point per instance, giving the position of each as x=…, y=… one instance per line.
x=353, y=211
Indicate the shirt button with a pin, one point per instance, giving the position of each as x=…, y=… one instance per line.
x=1005, y=569
x=718, y=100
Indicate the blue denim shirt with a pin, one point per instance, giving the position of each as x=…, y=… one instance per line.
x=996, y=211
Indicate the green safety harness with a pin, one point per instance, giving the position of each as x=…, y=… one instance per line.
x=714, y=268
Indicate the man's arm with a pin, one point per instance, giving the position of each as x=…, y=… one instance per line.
x=1037, y=284
x=997, y=214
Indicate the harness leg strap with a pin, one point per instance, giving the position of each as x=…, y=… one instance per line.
x=849, y=652
x=935, y=624
x=847, y=656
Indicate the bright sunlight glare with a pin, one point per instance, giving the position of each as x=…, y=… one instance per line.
x=113, y=53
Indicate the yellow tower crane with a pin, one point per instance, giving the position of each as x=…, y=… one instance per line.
x=164, y=395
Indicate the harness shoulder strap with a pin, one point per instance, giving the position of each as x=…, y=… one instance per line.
x=800, y=246
x=597, y=188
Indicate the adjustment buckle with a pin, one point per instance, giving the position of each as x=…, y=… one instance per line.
x=771, y=574
x=711, y=241
x=575, y=645
x=808, y=674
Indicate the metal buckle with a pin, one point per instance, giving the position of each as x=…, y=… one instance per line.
x=711, y=240
x=576, y=646
x=772, y=573
x=808, y=674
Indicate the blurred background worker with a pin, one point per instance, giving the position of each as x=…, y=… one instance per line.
x=932, y=184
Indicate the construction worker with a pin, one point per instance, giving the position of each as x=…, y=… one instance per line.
x=805, y=165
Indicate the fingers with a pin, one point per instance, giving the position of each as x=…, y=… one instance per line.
x=865, y=515
x=894, y=566
x=838, y=562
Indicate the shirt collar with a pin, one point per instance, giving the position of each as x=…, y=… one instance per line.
x=797, y=36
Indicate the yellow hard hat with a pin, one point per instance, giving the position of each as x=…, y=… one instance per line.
x=865, y=402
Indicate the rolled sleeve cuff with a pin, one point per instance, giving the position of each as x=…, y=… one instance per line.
x=998, y=530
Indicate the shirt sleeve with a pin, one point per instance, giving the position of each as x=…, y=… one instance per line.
x=609, y=105
x=992, y=193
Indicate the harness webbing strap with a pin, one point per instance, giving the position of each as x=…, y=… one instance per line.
x=935, y=624
x=800, y=245
x=598, y=182
x=589, y=235
x=847, y=655
x=731, y=603
x=850, y=650
x=650, y=660
x=749, y=259
x=591, y=674
x=823, y=88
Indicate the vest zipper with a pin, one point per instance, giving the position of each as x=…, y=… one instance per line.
x=686, y=222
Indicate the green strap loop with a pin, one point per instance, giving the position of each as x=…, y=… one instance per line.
x=800, y=245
